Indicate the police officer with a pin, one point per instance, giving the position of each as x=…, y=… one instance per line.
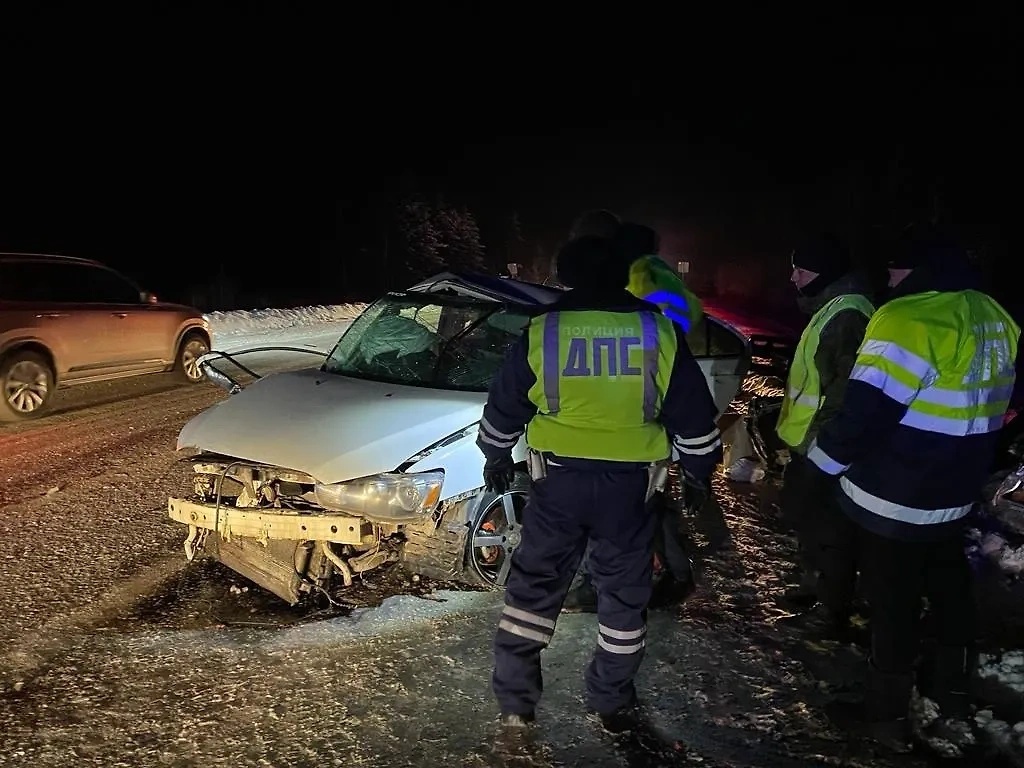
x=598, y=383
x=836, y=297
x=912, y=445
x=652, y=280
x=649, y=277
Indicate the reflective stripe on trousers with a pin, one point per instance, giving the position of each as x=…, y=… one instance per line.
x=619, y=641
x=526, y=624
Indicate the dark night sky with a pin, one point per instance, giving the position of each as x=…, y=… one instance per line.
x=169, y=142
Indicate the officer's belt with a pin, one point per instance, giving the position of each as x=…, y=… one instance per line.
x=537, y=464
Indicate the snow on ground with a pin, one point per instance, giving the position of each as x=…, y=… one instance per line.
x=255, y=322
x=316, y=328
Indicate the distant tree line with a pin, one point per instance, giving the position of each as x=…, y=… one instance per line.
x=431, y=237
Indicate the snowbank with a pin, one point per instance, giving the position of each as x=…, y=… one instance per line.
x=996, y=548
x=249, y=322
x=1007, y=671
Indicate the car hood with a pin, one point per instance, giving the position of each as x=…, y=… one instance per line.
x=331, y=427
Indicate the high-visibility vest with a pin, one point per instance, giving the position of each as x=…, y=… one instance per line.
x=956, y=380
x=950, y=359
x=651, y=279
x=804, y=397
x=601, y=379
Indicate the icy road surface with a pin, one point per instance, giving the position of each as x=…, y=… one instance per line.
x=113, y=652
x=83, y=491
x=201, y=673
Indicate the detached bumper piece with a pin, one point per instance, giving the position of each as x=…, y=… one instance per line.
x=280, y=550
x=266, y=524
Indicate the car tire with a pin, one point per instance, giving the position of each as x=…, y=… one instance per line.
x=186, y=366
x=26, y=386
x=492, y=509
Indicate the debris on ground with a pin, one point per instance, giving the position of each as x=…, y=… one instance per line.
x=745, y=470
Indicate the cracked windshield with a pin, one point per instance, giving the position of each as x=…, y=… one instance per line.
x=410, y=340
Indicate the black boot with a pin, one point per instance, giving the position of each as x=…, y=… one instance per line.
x=671, y=591
x=582, y=599
x=826, y=624
x=514, y=720
x=883, y=715
x=625, y=718
x=805, y=593
x=946, y=681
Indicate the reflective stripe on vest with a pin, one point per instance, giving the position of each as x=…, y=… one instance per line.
x=600, y=380
x=651, y=279
x=803, y=397
x=954, y=380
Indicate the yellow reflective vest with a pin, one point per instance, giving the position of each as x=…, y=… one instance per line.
x=804, y=398
x=601, y=378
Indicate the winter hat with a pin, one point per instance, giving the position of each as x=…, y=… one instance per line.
x=922, y=244
x=597, y=223
x=937, y=260
x=591, y=262
x=637, y=240
x=827, y=256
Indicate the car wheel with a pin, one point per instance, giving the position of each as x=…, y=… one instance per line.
x=495, y=532
x=26, y=386
x=193, y=347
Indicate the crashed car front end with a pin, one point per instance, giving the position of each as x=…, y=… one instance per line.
x=306, y=478
x=290, y=534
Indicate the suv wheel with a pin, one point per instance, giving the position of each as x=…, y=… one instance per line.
x=193, y=347
x=26, y=386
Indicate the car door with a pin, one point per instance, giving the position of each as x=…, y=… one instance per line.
x=50, y=296
x=723, y=353
x=138, y=338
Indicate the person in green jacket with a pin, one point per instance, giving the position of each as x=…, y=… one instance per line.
x=838, y=300
x=653, y=280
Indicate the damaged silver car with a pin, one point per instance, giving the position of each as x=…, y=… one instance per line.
x=306, y=479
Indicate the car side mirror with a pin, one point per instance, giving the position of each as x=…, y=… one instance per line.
x=148, y=298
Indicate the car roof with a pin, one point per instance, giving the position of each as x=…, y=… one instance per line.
x=504, y=289
x=513, y=291
x=47, y=257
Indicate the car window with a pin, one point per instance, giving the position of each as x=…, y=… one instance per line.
x=473, y=360
x=64, y=283
x=11, y=281
x=104, y=286
x=712, y=339
x=36, y=281
x=415, y=340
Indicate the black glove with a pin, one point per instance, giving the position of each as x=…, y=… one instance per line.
x=499, y=474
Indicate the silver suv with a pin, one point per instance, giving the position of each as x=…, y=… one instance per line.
x=67, y=321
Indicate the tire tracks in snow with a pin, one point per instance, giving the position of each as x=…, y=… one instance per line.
x=55, y=452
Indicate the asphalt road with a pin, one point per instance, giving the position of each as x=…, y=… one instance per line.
x=114, y=652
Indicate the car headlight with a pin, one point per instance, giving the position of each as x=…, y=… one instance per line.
x=389, y=498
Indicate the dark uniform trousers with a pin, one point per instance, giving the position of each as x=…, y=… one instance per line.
x=897, y=575
x=668, y=543
x=568, y=507
x=828, y=538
